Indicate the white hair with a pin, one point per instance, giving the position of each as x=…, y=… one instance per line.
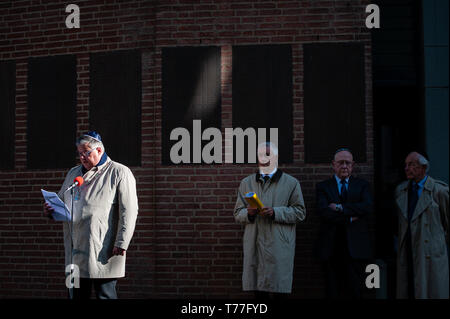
x=91, y=142
x=424, y=162
x=272, y=146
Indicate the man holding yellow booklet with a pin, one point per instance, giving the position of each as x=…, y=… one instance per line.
x=269, y=204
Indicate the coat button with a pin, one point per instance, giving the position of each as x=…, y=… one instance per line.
x=426, y=241
x=427, y=257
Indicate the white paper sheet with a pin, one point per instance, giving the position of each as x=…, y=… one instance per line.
x=61, y=211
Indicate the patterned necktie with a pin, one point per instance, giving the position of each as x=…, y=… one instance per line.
x=343, y=191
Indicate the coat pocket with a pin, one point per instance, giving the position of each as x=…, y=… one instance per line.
x=285, y=234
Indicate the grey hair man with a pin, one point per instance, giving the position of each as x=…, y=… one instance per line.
x=105, y=209
x=423, y=215
x=270, y=232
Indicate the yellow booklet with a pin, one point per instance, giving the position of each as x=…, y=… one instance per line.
x=253, y=200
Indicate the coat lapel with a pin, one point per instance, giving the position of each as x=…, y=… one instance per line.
x=402, y=201
x=425, y=199
x=351, y=186
x=334, y=190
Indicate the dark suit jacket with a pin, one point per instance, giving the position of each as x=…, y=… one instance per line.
x=359, y=204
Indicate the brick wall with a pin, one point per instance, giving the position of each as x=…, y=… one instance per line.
x=186, y=242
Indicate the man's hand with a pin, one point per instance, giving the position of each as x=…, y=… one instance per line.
x=266, y=211
x=252, y=211
x=118, y=251
x=48, y=210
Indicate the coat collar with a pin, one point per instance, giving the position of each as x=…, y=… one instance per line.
x=102, y=161
x=348, y=179
x=274, y=178
x=402, y=200
x=336, y=186
x=424, y=201
x=96, y=171
x=338, y=179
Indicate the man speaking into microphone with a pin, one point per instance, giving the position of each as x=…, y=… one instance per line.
x=105, y=209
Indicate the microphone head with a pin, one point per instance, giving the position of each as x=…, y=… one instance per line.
x=79, y=180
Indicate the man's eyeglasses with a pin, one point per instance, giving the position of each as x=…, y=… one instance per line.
x=411, y=164
x=86, y=154
x=341, y=163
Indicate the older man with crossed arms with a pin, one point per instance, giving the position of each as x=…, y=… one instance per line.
x=344, y=203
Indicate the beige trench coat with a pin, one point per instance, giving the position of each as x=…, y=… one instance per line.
x=105, y=212
x=429, y=233
x=269, y=245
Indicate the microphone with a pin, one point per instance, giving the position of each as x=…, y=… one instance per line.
x=78, y=181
